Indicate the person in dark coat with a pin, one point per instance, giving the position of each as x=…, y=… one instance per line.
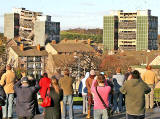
x=32, y=82
x=3, y=97
x=25, y=98
x=56, y=94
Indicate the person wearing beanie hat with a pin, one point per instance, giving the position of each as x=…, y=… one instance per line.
x=90, y=97
x=25, y=98
x=24, y=81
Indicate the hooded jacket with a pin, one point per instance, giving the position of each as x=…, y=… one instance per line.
x=135, y=90
x=118, y=81
x=44, y=84
x=84, y=84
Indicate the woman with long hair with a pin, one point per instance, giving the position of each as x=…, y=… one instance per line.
x=56, y=94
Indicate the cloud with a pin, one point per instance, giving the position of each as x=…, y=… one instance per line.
x=88, y=4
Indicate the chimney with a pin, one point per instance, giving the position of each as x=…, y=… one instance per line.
x=89, y=41
x=21, y=47
x=38, y=47
x=19, y=39
x=53, y=42
x=76, y=40
x=65, y=40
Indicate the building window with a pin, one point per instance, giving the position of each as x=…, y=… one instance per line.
x=38, y=65
x=22, y=65
x=30, y=59
x=29, y=72
x=30, y=65
x=37, y=59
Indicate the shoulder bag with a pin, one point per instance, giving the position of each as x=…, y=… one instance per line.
x=104, y=104
x=47, y=100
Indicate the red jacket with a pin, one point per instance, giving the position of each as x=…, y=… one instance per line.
x=44, y=83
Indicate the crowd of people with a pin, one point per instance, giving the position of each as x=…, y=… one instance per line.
x=130, y=92
x=107, y=95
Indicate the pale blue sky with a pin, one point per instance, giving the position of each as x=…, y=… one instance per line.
x=79, y=13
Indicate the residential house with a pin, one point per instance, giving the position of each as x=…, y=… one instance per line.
x=32, y=59
x=68, y=48
x=64, y=54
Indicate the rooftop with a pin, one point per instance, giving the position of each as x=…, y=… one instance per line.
x=30, y=51
x=76, y=47
x=61, y=60
x=74, y=41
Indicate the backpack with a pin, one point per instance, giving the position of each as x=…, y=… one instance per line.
x=85, y=90
x=2, y=101
x=2, y=96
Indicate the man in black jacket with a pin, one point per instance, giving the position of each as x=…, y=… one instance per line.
x=25, y=98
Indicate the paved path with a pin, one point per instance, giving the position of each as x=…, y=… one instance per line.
x=155, y=114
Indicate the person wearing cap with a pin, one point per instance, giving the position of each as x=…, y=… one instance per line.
x=25, y=98
x=118, y=81
x=65, y=84
x=7, y=81
x=100, y=85
x=89, y=94
x=150, y=78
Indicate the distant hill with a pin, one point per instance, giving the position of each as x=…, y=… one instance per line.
x=82, y=34
x=86, y=31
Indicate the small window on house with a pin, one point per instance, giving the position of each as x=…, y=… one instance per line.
x=30, y=65
x=37, y=59
x=38, y=65
x=30, y=59
x=22, y=65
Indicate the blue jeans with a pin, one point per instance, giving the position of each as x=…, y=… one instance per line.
x=117, y=101
x=100, y=114
x=8, y=108
x=68, y=99
x=85, y=104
